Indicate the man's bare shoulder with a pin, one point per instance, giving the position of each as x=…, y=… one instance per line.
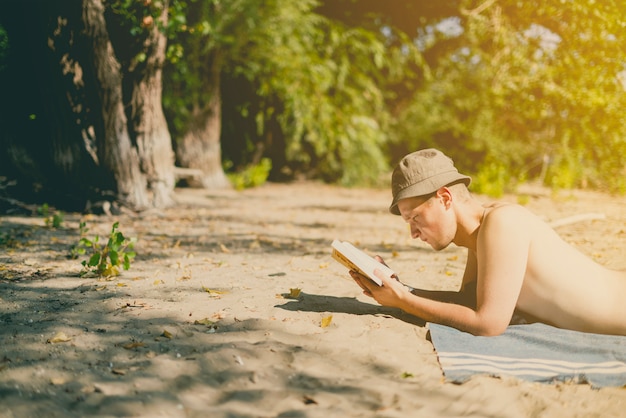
x=507, y=219
x=503, y=211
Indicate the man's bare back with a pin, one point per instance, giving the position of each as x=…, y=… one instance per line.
x=563, y=287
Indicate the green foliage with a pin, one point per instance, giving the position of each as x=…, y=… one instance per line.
x=252, y=175
x=492, y=179
x=317, y=89
x=4, y=47
x=104, y=260
x=334, y=110
x=518, y=83
x=51, y=220
x=511, y=90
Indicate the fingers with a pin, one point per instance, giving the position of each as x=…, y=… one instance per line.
x=393, y=282
x=380, y=260
x=360, y=280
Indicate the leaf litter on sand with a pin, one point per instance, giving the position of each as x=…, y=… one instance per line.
x=59, y=337
x=294, y=293
x=133, y=345
x=214, y=293
x=326, y=321
x=205, y=321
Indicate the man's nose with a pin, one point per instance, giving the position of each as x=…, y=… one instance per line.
x=415, y=232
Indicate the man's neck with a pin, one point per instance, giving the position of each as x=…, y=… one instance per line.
x=470, y=216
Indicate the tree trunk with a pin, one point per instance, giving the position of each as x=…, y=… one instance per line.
x=148, y=124
x=115, y=151
x=199, y=147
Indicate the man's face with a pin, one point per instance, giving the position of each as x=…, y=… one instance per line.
x=425, y=216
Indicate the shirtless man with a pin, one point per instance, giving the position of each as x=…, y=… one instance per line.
x=515, y=260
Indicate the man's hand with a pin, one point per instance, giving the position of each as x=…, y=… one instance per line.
x=391, y=293
x=395, y=276
x=363, y=281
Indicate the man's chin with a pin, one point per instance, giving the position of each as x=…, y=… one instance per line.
x=438, y=247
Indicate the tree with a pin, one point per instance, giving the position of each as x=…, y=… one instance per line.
x=102, y=134
x=193, y=94
x=37, y=100
x=516, y=89
x=310, y=93
x=326, y=89
x=550, y=91
x=143, y=57
x=113, y=140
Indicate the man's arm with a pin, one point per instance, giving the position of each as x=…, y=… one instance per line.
x=466, y=295
x=470, y=275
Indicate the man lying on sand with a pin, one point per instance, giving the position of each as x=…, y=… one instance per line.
x=515, y=260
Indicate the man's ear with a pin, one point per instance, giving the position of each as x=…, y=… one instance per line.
x=445, y=195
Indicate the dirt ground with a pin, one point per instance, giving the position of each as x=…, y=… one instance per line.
x=234, y=308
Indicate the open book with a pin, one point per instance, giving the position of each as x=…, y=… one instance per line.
x=355, y=259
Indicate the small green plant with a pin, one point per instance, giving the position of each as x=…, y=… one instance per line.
x=105, y=260
x=252, y=175
x=52, y=220
x=8, y=240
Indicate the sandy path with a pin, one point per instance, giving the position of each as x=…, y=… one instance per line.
x=203, y=324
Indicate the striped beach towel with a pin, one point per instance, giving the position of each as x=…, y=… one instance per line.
x=533, y=352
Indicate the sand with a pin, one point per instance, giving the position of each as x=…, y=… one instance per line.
x=234, y=308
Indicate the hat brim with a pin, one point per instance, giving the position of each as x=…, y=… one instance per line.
x=427, y=187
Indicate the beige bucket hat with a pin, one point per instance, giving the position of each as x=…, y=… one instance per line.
x=421, y=173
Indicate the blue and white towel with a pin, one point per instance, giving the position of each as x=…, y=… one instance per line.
x=534, y=352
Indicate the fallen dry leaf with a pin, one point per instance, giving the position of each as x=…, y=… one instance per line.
x=111, y=271
x=326, y=321
x=59, y=337
x=294, y=293
x=134, y=344
x=213, y=292
x=58, y=381
x=167, y=334
x=219, y=315
x=205, y=321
